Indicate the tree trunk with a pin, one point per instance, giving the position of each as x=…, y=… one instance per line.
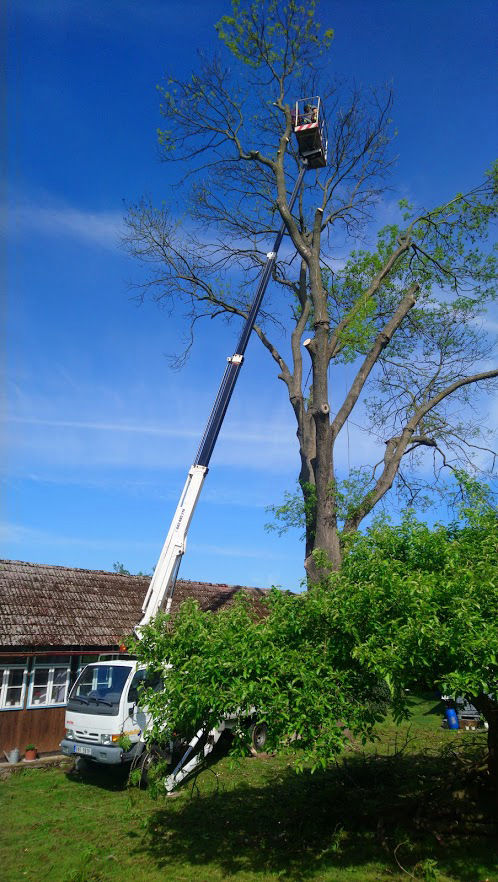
x=488, y=707
x=326, y=534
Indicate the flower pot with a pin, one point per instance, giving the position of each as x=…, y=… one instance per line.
x=30, y=755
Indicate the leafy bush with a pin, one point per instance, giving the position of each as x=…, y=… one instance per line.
x=412, y=607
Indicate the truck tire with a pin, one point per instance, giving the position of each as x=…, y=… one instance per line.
x=259, y=734
x=148, y=758
x=144, y=762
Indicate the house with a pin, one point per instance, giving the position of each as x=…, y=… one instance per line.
x=53, y=621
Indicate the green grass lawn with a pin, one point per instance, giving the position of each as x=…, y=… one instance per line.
x=412, y=799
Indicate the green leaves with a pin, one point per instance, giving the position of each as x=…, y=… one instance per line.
x=430, y=615
x=297, y=510
x=272, y=34
x=448, y=257
x=284, y=666
x=412, y=607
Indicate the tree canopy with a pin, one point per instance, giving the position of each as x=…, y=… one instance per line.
x=412, y=608
x=405, y=312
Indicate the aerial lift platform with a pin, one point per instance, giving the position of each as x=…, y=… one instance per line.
x=310, y=130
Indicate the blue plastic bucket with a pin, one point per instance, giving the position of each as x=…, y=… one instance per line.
x=451, y=718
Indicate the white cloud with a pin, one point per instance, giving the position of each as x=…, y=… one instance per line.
x=68, y=443
x=226, y=551
x=260, y=436
x=487, y=324
x=16, y=534
x=67, y=427
x=224, y=494
x=103, y=228
x=107, y=427
x=265, y=447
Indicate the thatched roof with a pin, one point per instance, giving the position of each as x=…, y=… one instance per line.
x=43, y=605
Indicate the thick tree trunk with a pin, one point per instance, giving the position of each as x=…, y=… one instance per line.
x=488, y=707
x=493, y=748
x=326, y=534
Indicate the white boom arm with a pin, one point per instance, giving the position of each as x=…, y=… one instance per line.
x=162, y=586
x=160, y=593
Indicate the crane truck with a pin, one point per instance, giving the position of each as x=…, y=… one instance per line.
x=103, y=709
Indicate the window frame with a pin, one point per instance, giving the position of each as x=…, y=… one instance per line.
x=51, y=667
x=5, y=669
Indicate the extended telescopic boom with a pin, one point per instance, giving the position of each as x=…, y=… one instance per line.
x=160, y=593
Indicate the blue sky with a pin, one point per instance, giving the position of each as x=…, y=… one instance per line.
x=98, y=431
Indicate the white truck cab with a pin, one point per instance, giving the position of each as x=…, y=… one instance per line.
x=102, y=709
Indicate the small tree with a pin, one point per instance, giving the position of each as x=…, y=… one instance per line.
x=412, y=607
x=120, y=568
x=404, y=313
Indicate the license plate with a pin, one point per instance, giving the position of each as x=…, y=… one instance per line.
x=87, y=751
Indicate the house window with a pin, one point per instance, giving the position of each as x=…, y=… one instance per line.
x=49, y=682
x=85, y=660
x=12, y=686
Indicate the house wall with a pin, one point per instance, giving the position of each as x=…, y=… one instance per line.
x=43, y=727
x=44, y=679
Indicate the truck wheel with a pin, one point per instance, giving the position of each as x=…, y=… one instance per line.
x=147, y=759
x=259, y=733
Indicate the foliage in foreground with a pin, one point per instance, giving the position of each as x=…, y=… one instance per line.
x=411, y=607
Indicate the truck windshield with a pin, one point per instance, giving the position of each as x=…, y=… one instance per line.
x=98, y=689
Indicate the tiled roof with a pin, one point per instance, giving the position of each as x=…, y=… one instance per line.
x=42, y=605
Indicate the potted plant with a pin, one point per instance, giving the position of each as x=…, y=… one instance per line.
x=30, y=752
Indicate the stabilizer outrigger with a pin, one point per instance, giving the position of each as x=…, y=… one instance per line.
x=186, y=765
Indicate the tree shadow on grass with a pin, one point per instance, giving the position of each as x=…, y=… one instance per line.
x=351, y=816
x=437, y=709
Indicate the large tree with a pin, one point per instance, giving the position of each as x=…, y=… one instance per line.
x=404, y=312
